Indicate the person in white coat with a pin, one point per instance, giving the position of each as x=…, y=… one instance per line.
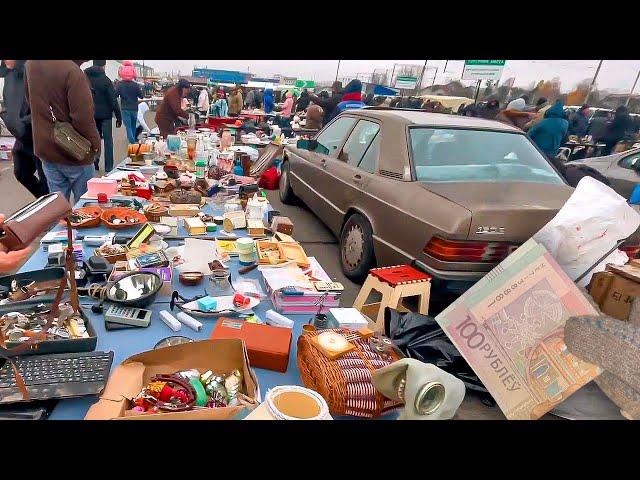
x=203, y=102
x=141, y=124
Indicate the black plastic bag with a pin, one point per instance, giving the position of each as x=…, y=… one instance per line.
x=420, y=337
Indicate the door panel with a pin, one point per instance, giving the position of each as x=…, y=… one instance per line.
x=313, y=178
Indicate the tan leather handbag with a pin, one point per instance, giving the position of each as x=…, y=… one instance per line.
x=68, y=139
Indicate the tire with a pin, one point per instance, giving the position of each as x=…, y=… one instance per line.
x=356, y=248
x=285, y=191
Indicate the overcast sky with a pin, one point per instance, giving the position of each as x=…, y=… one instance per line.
x=614, y=74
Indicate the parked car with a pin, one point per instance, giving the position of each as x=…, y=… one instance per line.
x=454, y=194
x=622, y=169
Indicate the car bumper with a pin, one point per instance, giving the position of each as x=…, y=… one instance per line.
x=450, y=281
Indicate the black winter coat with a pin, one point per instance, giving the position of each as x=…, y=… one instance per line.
x=104, y=95
x=16, y=114
x=578, y=124
x=129, y=93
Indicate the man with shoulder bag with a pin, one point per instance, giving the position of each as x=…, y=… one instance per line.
x=65, y=136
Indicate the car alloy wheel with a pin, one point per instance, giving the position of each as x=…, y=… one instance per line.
x=354, y=247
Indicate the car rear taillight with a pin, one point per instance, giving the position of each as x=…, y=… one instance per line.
x=468, y=250
x=631, y=250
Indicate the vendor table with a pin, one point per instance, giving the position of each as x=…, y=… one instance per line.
x=250, y=114
x=127, y=342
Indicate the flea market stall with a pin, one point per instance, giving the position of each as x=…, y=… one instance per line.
x=173, y=289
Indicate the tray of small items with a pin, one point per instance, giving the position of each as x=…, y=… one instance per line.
x=269, y=253
x=85, y=217
x=71, y=332
x=121, y=218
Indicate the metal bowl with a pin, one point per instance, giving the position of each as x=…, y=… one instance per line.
x=135, y=289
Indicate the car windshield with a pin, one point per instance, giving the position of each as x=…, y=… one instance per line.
x=456, y=155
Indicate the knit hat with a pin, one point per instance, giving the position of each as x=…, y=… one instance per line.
x=183, y=83
x=127, y=71
x=99, y=63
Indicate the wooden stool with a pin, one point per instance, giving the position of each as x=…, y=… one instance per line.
x=394, y=283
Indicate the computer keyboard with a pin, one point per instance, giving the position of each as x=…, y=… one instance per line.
x=62, y=375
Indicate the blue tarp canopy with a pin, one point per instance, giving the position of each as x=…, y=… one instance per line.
x=221, y=76
x=385, y=91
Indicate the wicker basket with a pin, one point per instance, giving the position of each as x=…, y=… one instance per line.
x=345, y=383
x=155, y=211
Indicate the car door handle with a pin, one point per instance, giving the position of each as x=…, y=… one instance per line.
x=357, y=179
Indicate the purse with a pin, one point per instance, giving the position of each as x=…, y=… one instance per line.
x=68, y=139
x=21, y=228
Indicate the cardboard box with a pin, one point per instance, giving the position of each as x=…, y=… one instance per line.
x=127, y=379
x=268, y=346
x=615, y=289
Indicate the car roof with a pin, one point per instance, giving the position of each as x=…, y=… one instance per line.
x=417, y=117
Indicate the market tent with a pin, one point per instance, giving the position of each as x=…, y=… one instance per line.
x=381, y=90
x=448, y=102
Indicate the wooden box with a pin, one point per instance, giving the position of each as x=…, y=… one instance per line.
x=268, y=253
x=255, y=227
x=295, y=252
x=195, y=226
x=282, y=224
x=186, y=210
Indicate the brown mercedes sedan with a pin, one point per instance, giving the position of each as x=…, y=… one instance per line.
x=453, y=194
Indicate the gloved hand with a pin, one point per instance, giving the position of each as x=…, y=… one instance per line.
x=613, y=345
x=118, y=123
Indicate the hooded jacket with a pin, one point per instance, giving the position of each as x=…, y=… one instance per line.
x=351, y=98
x=617, y=129
x=63, y=87
x=287, y=106
x=15, y=114
x=268, y=100
x=550, y=131
x=127, y=71
x=104, y=95
x=303, y=102
x=578, y=124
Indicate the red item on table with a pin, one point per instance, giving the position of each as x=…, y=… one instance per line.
x=143, y=192
x=240, y=300
x=102, y=198
x=269, y=179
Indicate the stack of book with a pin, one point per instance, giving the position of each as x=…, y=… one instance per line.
x=296, y=295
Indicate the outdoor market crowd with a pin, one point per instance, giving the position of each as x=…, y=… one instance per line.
x=38, y=94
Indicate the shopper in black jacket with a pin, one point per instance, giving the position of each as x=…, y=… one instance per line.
x=329, y=104
x=129, y=92
x=17, y=118
x=106, y=105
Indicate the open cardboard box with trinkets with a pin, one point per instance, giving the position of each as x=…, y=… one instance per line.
x=129, y=378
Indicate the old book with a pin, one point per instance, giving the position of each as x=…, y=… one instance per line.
x=510, y=329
